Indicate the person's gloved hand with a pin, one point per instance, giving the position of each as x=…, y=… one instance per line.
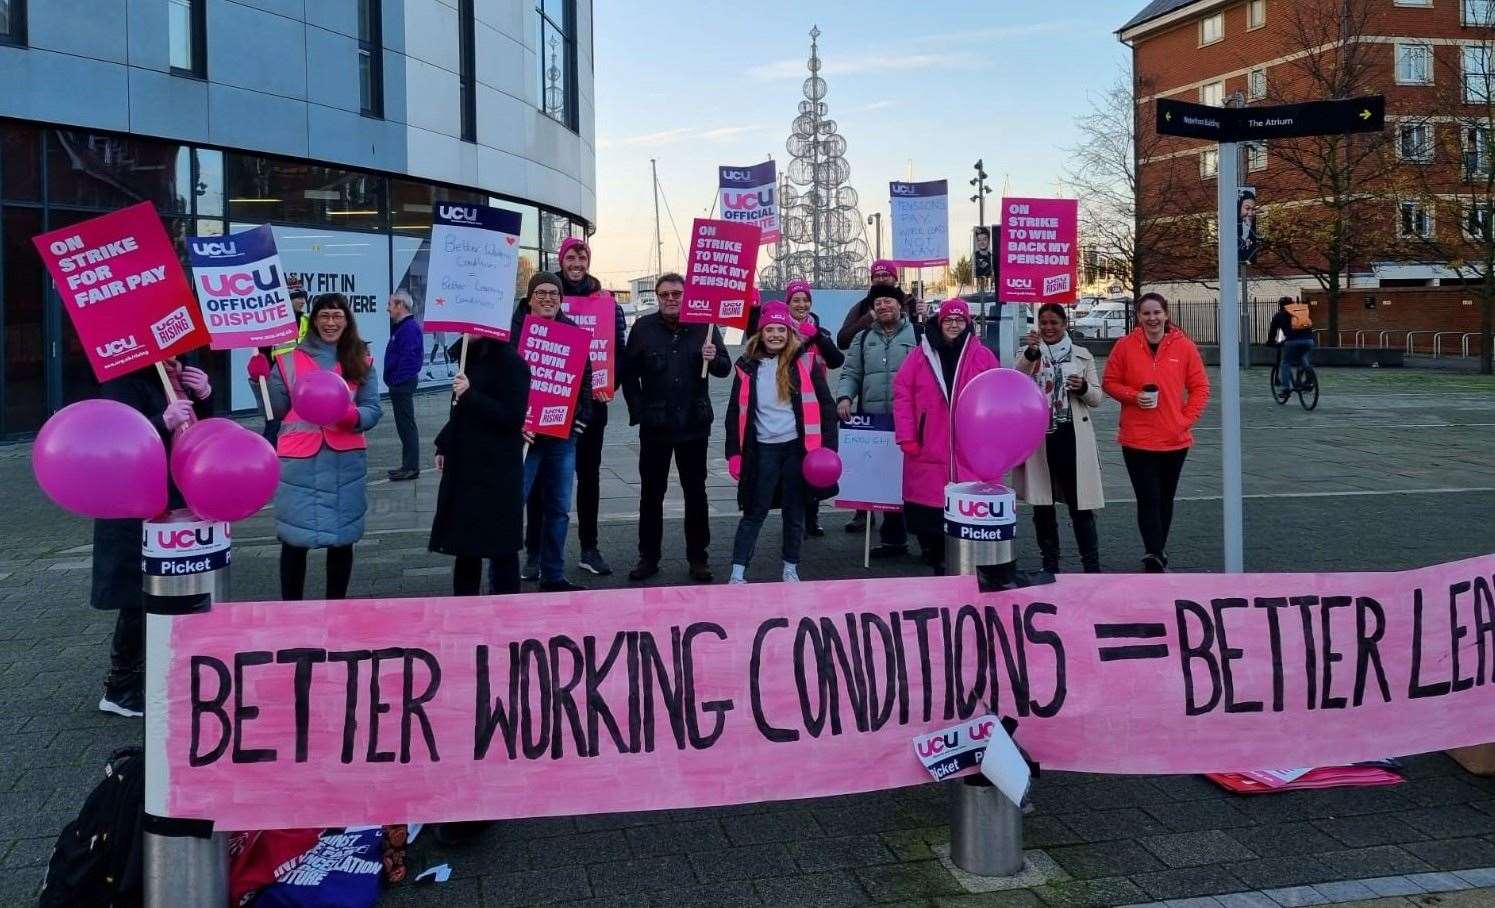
x=196, y=382
x=177, y=414
x=259, y=367
x=808, y=329
x=910, y=448
x=734, y=466
x=350, y=419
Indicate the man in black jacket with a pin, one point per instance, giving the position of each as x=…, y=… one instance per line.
x=669, y=400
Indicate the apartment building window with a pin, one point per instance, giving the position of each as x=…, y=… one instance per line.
x=1476, y=141
x=1415, y=221
x=1212, y=94
x=1256, y=13
x=1414, y=142
x=371, y=57
x=187, y=33
x=1211, y=29
x=1479, y=13
x=1477, y=221
x=1256, y=156
x=1256, y=84
x=1414, y=64
x=467, y=38
x=556, y=47
x=1209, y=163
x=1412, y=3
x=12, y=21
x=1477, y=74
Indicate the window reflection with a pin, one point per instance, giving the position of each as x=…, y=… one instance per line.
x=91, y=170
x=21, y=286
x=20, y=163
x=264, y=189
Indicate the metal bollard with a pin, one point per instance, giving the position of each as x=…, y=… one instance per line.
x=986, y=829
x=185, y=566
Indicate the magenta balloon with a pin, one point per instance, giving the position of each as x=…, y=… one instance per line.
x=822, y=467
x=1000, y=420
x=229, y=475
x=321, y=398
x=102, y=459
x=187, y=440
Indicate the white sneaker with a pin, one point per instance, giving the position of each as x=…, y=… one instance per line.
x=791, y=573
x=736, y=580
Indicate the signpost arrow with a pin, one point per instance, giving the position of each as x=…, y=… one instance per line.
x=1279, y=121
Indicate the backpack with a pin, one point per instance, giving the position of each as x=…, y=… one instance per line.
x=1302, y=321
x=98, y=856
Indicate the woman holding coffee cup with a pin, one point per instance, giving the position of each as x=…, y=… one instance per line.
x=1157, y=375
x=1066, y=466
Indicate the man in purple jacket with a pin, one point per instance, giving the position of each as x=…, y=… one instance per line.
x=402, y=361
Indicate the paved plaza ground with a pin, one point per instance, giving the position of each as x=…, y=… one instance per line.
x=1395, y=469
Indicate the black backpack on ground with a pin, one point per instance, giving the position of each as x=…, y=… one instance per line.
x=98, y=858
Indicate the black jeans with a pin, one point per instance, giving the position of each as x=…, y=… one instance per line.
x=127, y=653
x=589, y=480
x=293, y=571
x=779, y=471
x=402, y=402
x=1046, y=529
x=654, y=456
x=928, y=526
x=467, y=575
x=1155, y=481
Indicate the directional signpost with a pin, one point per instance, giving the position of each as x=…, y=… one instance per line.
x=1228, y=126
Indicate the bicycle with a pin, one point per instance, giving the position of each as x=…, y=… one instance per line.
x=1305, y=383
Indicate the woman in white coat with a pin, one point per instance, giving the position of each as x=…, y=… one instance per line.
x=1066, y=467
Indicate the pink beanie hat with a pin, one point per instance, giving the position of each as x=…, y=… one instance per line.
x=796, y=286
x=776, y=313
x=955, y=306
x=569, y=243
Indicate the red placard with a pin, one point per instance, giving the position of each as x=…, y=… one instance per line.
x=719, y=274
x=1038, y=250
x=598, y=314
x=123, y=286
x=557, y=355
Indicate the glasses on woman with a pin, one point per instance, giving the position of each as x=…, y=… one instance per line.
x=551, y=294
x=332, y=315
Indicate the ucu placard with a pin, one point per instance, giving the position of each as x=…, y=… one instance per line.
x=241, y=285
x=179, y=544
x=954, y=749
x=980, y=511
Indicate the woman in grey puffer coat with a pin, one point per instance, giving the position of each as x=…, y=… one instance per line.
x=324, y=472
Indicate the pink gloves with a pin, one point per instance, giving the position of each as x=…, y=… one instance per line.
x=196, y=382
x=808, y=329
x=259, y=367
x=734, y=466
x=910, y=448
x=177, y=414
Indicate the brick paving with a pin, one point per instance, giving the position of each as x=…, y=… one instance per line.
x=1392, y=471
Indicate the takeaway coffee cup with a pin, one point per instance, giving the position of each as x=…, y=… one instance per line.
x=1148, y=398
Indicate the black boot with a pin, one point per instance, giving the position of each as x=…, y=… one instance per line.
x=1046, y=532
x=1087, y=539
x=124, y=688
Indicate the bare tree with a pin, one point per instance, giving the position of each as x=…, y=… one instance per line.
x=1337, y=204
x=1138, y=209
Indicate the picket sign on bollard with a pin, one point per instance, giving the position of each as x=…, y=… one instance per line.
x=185, y=568
x=986, y=828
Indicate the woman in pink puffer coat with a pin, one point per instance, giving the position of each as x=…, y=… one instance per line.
x=923, y=401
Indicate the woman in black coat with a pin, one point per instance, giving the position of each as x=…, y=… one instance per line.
x=480, y=503
x=117, y=578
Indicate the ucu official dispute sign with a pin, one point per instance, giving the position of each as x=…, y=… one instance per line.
x=241, y=285
x=749, y=195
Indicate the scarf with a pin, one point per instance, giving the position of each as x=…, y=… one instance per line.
x=1050, y=378
x=949, y=352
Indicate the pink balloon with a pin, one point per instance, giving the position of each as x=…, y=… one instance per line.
x=187, y=440
x=822, y=467
x=229, y=475
x=1000, y=420
x=321, y=398
x=102, y=459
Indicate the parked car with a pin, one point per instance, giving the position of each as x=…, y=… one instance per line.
x=1105, y=320
x=1083, y=305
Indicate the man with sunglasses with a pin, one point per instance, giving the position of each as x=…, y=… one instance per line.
x=669, y=399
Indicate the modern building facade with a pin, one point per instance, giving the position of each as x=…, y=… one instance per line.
x=340, y=122
x=1419, y=194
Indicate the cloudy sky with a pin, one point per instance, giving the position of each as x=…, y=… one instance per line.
x=932, y=87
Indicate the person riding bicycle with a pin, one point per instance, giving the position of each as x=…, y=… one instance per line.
x=1291, y=330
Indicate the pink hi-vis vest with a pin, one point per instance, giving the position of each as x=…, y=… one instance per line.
x=299, y=438
x=809, y=404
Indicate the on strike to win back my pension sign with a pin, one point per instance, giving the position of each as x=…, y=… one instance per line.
x=388, y=710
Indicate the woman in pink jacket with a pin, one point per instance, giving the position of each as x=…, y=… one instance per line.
x=925, y=393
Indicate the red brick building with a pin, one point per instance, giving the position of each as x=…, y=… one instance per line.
x=1413, y=205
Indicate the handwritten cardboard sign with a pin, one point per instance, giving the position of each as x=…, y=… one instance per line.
x=921, y=223
x=123, y=287
x=719, y=273
x=474, y=258
x=241, y=286
x=557, y=357
x=1038, y=249
x=597, y=313
x=677, y=697
x=869, y=456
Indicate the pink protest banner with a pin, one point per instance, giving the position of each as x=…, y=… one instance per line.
x=1039, y=250
x=557, y=357
x=597, y=313
x=313, y=714
x=123, y=287
x=719, y=273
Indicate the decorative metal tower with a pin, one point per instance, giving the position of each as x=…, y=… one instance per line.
x=824, y=235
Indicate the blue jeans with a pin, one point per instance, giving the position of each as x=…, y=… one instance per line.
x=552, y=463
x=1294, y=353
